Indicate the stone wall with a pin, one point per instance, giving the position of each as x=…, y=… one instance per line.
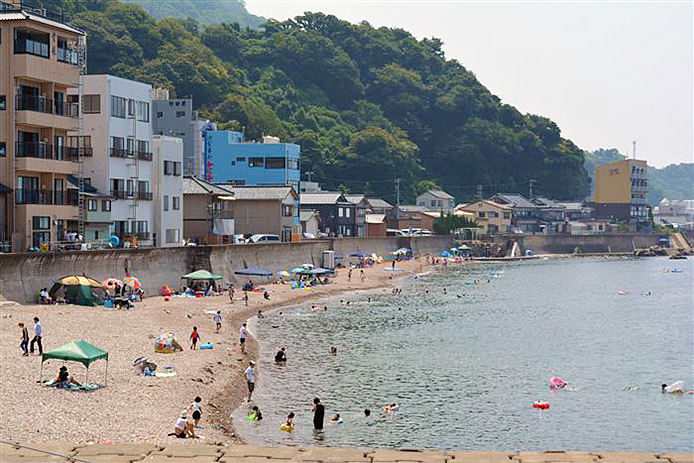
x=23, y=275
x=565, y=244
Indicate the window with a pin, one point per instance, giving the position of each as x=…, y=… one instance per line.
x=274, y=163
x=493, y=214
x=507, y=215
x=166, y=203
x=130, y=146
x=240, y=159
x=340, y=212
x=175, y=203
x=143, y=146
x=143, y=111
x=59, y=146
x=118, y=106
x=177, y=169
x=180, y=114
x=65, y=53
x=117, y=185
x=347, y=212
x=105, y=205
x=481, y=213
x=168, y=167
x=287, y=210
x=31, y=42
x=41, y=222
x=160, y=115
x=131, y=108
x=3, y=149
x=143, y=186
x=173, y=235
x=91, y=104
x=433, y=202
x=293, y=164
x=255, y=162
x=130, y=188
x=3, y=102
x=91, y=205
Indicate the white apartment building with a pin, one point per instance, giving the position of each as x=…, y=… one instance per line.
x=117, y=117
x=168, y=191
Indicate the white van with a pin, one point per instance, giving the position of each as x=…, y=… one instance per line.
x=264, y=239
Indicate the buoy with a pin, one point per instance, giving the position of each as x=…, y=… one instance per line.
x=540, y=405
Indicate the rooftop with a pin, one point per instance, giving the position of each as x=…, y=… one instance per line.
x=195, y=186
x=375, y=218
x=439, y=194
x=25, y=10
x=515, y=200
x=259, y=193
x=323, y=197
x=378, y=203
x=413, y=208
x=485, y=201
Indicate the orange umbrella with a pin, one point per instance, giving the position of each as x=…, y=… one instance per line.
x=133, y=282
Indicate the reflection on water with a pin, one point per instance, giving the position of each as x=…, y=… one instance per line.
x=466, y=366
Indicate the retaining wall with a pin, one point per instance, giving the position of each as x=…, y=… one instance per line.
x=22, y=275
x=565, y=244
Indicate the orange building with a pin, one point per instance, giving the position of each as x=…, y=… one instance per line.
x=621, y=191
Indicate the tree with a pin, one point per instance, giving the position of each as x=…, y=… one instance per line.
x=447, y=223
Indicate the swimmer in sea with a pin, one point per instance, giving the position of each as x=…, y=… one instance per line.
x=333, y=350
x=445, y=291
x=336, y=418
x=367, y=413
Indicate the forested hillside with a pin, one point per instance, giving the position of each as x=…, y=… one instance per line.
x=675, y=181
x=202, y=11
x=367, y=105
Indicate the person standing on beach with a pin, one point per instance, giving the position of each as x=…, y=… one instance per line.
x=25, y=339
x=349, y=275
x=243, y=334
x=362, y=275
x=38, y=334
x=231, y=294
x=250, y=378
x=245, y=297
x=318, y=414
x=194, y=337
x=218, y=320
x=196, y=409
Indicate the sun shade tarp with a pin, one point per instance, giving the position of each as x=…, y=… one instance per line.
x=254, y=272
x=202, y=275
x=76, y=351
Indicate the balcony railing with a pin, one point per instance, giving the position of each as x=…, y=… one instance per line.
x=29, y=196
x=141, y=235
x=145, y=195
x=36, y=103
x=68, y=55
x=144, y=155
x=28, y=149
x=119, y=194
x=119, y=153
x=72, y=153
x=67, y=110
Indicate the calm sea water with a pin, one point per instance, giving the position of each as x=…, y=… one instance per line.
x=466, y=370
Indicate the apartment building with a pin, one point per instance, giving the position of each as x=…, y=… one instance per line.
x=39, y=65
x=175, y=117
x=117, y=120
x=621, y=191
x=168, y=191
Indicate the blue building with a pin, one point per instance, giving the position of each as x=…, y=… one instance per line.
x=230, y=160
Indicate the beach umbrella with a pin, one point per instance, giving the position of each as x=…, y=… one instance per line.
x=319, y=271
x=283, y=273
x=296, y=270
x=464, y=247
x=359, y=254
x=254, y=272
x=403, y=251
x=133, y=282
x=307, y=266
x=111, y=283
x=445, y=254
x=76, y=280
x=202, y=275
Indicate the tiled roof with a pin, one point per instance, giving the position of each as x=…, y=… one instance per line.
x=439, y=194
x=258, y=193
x=196, y=186
x=354, y=199
x=540, y=201
x=413, y=208
x=378, y=203
x=468, y=206
x=515, y=200
x=325, y=197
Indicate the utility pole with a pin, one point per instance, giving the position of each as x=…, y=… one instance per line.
x=309, y=173
x=531, y=182
x=397, y=192
x=479, y=192
x=633, y=152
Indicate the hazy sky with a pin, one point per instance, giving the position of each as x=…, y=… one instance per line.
x=606, y=72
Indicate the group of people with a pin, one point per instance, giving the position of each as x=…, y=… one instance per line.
x=185, y=428
x=362, y=275
x=38, y=335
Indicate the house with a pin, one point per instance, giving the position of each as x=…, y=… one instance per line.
x=621, y=191
x=39, y=65
x=168, y=191
x=376, y=225
x=207, y=212
x=379, y=206
x=116, y=117
x=574, y=211
x=492, y=217
x=550, y=210
x=436, y=200
x=525, y=215
x=676, y=212
x=309, y=222
x=231, y=160
x=410, y=217
x=337, y=214
x=361, y=206
x=175, y=117
x=272, y=210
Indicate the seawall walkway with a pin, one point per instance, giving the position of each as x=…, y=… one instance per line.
x=200, y=453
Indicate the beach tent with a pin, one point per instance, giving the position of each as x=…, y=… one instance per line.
x=166, y=344
x=445, y=254
x=464, y=247
x=76, y=289
x=359, y=254
x=77, y=351
x=254, y=271
x=208, y=278
x=403, y=251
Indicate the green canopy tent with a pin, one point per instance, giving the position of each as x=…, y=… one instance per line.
x=202, y=275
x=76, y=351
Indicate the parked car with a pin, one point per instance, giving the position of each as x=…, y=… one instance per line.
x=264, y=239
x=238, y=239
x=395, y=232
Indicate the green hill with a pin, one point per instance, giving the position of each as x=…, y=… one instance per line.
x=203, y=11
x=367, y=105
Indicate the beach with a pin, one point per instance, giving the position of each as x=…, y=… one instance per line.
x=134, y=408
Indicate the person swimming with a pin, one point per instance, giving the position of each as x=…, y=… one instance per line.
x=336, y=419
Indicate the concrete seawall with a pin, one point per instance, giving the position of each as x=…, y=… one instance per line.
x=22, y=275
x=565, y=244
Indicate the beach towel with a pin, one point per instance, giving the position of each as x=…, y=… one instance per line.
x=70, y=386
x=207, y=345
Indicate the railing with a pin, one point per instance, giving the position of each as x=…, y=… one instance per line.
x=119, y=153
x=68, y=55
x=119, y=194
x=144, y=155
x=36, y=103
x=147, y=196
x=31, y=47
x=72, y=153
x=29, y=196
x=31, y=8
x=141, y=235
x=28, y=149
x=67, y=110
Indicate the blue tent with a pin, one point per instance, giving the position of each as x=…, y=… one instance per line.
x=446, y=254
x=254, y=271
x=359, y=254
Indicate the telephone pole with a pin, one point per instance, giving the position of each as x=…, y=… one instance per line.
x=531, y=183
x=397, y=192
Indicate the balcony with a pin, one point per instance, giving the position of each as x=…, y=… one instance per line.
x=41, y=111
x=39, y=150
x=29, y=196
x=36, y=103
x=141, y=235
x=144, y=195
x=119, y=153
x=68, y=55
x=119, y=194
x=72, y=153
x=144, y=156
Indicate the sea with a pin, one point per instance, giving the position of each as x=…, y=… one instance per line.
x=465, y=351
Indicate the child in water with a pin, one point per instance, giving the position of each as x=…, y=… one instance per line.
x=255, y=414
x=289, y=424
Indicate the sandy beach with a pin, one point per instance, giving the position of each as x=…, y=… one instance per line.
x=135, y=408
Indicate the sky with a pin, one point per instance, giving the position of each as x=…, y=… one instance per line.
x=608, y=73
